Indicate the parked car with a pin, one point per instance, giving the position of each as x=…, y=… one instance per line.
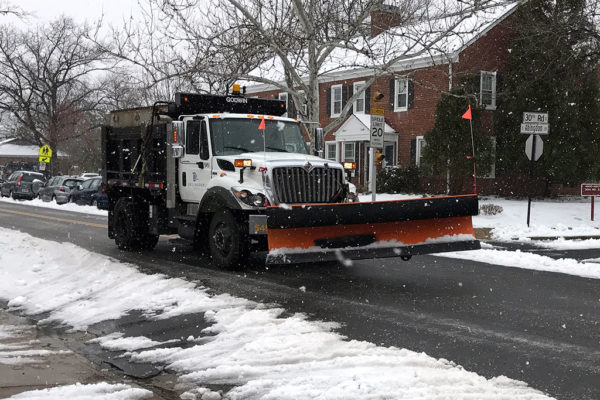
x=90, y=192
x=22, y=185
x=14, y=166
x=59, y=188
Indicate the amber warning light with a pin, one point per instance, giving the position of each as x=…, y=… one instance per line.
x=349, y=165
x=243, y=163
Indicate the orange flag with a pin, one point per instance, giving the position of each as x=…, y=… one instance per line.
x=467, y=115
x=262, y=123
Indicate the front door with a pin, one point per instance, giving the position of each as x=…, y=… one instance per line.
x=194, y=166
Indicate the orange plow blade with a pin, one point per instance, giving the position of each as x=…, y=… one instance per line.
x=324, y=232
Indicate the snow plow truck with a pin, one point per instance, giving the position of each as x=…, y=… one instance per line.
x=233, y=175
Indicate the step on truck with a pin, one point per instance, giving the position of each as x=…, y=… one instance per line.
x=234, y=175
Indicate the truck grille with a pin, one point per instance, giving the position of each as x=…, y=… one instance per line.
x=297, y=185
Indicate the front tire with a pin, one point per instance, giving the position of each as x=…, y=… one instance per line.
x=227, y=240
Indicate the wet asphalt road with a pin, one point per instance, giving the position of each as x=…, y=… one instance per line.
x=542, y=328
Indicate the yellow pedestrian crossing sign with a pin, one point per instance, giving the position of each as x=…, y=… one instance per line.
x=45, y=153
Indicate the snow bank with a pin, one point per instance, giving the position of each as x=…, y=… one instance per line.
x=51, y=204
x=251, y=346
x=103, y=390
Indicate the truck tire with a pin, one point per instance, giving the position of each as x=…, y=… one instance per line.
x=131, y=228
x=227, y=240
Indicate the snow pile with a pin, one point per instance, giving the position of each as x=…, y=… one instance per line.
x=104, y=391
x=51, y=204
x=251, y=346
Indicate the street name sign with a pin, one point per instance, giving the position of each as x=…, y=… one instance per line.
x=535, y=117
x=534, y=128
x=539, y=147
x=377, y=127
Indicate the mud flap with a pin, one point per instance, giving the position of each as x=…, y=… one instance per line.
x=324, y=232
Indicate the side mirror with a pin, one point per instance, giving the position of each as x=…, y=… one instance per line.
x=319, y=140
x=177, y=151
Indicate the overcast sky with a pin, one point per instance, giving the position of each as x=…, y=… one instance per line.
x=80, y=10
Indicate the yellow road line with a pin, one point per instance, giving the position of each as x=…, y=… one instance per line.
x=41, y=216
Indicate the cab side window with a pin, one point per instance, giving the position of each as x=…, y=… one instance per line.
x=192, y=139
x=204, y=154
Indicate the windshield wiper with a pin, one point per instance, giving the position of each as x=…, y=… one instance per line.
x=276, y=149
x=238, y=148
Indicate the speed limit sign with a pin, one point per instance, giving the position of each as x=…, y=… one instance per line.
x=377, y=127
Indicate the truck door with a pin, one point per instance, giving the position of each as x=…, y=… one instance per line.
x=194, y=166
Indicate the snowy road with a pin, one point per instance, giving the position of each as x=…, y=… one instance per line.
x=538, y=327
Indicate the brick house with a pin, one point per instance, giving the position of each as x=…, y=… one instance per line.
x=410, y=95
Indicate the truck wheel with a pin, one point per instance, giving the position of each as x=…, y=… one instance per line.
x=227, y=240
x=131, y=231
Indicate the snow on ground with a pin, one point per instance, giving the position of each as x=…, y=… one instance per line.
x=14, y=351
x=567, y=217
x=250, y=346
x=51, y=204
x=518, y=259
x=99, y=391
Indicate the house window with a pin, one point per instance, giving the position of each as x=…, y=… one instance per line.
x=349, y=152
x=284, y=97
x=359, y=104
x=388, y=152
x=330, y=148
x=336, y=100
x=487, y=93
x=420, y=146
x=401, y=94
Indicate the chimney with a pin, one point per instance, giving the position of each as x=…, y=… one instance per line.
x=384, y=18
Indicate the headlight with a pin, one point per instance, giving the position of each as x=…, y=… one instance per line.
x=247, y=197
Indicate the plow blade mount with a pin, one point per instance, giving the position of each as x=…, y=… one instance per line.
x=399, y=228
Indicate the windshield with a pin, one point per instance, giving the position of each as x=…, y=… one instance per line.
x=241, y=135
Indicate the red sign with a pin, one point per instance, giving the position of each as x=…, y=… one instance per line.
x=590, y=189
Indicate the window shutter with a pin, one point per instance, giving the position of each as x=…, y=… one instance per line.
x=413, y=151
x=411, y=94
x=328, y=100
x=499, y=84
x=368, y=100
x=392, y=93
x=350, y=94
x=344, y=95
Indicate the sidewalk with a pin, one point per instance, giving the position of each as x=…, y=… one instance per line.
x=31, y=360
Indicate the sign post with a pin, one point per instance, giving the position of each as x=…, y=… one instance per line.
x=592, y=190
x=377, y=130
x=534, y=124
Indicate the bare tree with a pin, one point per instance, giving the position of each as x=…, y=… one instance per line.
x=48, y=81
x=7, y=8
x=292, y=44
